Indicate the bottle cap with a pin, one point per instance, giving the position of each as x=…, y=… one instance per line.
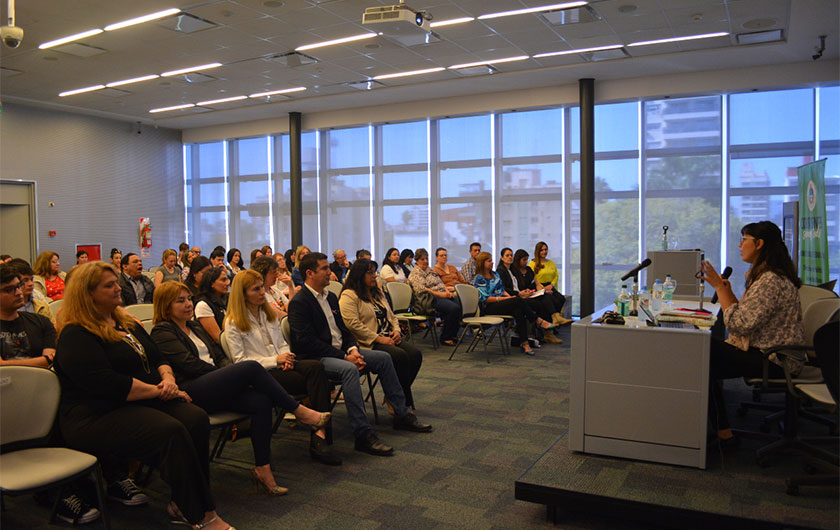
x=624, y=286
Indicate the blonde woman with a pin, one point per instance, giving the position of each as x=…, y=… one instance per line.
x=120, y=401
x=252, y=331
x=202, y=369
x=49, y=278
x=169, y=271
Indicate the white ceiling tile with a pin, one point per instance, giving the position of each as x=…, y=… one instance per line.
x=315, y=17
x=610, y=8
x=225, y=12
x=588, y=29
x=484, y=44
x=628, y=23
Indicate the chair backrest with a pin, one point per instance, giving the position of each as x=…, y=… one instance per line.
x=819, y=313
x=149, y=274
x=808, y=294
x=468, y=295
x=335, y=288
x=28, y=402
x=286, y=330
x=400, y=294
x=153, y=270
x=148, y=325
x=55, y=305
x=225, y=346
x=827, y=347
x=141, y=311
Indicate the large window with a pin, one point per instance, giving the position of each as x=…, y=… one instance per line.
x=702, y=165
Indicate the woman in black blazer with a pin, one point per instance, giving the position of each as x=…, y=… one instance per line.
x=204, y=372
x=552, y=302
x=516, y=285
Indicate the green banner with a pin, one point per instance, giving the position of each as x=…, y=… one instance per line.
x=813, y=238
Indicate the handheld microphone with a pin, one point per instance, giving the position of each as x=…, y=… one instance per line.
x=636, y=269
x=727, y=272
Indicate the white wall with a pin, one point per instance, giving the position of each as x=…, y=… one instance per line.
x=101, y=175
x=760, y=77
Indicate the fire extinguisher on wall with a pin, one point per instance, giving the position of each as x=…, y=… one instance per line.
x=145, y=233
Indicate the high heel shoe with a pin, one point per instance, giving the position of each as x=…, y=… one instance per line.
x=323, y=419
x=550, y=326
x=527, y=352
x=265, y=488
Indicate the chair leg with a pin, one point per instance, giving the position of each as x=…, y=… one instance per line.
x=280, y=415
x=460, y=338
x=101, y=496
x=220, y=442
x=58, y=496
x=372, y=384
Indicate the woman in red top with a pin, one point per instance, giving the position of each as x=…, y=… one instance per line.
x=49, y=279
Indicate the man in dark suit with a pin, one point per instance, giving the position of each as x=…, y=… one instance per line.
x=318, y=332
x=341, y=265
x=136, y=288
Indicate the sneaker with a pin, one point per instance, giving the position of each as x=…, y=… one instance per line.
x=127, y=492
x=74, y=510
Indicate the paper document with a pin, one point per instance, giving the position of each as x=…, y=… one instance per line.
x=537, y=293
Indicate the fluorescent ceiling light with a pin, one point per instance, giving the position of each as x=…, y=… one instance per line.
x=492, y=61
x=413, y=72
x=191, y=69
x=580, y=50
x=71, y=38
x=223, y=100
x=540, y=9
x=276, y=92
x=176, y=107
x=678, y=39
x=759, y=36
x=132, y=80
x=451, y=21
x=81, y=90
x=354, y=38
x=144, y=18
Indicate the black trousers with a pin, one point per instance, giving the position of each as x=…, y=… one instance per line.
x=517, y=308
x=174, y=432
x=728, y=362
x=407, y=360
x=248, y=388
x=308, y=378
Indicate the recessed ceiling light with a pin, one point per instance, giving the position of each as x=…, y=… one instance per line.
x=191, y=69
x=627, y=8
x=492, y=61
x=277, y=92
x=580, y=50
x=223, y=100
x=451, y=21
x=406, y=74
x=679, y=39
x=176, y=107
x=70, y=38
x=335, y=41
x=539, y=9
x=132, y=80
x=81, y=90
x=759, y=36
x=144, y=18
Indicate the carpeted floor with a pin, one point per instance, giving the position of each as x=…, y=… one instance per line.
x=491, y=422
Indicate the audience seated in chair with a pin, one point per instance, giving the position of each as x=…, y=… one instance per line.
x=169, y=270
x=27, y=338
x=120, y=401
x=33, y=301
x=318, y=332
x=407, y=261
x=449, y=275
x=211, y=301
x=768, y=314
x=392, y=270
x=204, y=372
x=116, y=258
x=199, y=266
x=525, y=277
x=136, y=287
x=217, y=260
x=425, y=279
x=284, y=284
x=267, y=268
x=493, y=300
x=252, y=332
x=49, y=278
x=341, y=265
x=369, y=318
x=468, y=271
x=234, y=261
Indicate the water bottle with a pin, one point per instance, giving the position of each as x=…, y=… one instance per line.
x=623, y=303
x=644, y=296
x=656, y=296
x=665, y=237
x=668, y=290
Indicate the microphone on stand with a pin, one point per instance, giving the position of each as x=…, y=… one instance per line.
x=636, y=270
x=727, y=272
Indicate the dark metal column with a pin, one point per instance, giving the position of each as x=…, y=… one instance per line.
x=587, y=196
x=295, y=179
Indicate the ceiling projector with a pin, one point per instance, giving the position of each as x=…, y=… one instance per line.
x=400, y=23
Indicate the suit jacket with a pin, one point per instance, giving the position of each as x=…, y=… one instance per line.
x=180, y=352
x=128, y=296
x=339, y=271
x=507, y=281
x=310, y=331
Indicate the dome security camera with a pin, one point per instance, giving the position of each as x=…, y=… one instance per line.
x=11, y=35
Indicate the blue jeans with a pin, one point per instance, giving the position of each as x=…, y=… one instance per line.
x=450, y=312
x=378, y=362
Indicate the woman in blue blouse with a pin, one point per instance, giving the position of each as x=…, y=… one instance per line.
x=494, y=300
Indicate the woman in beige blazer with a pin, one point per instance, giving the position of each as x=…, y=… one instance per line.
x=369, y=318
